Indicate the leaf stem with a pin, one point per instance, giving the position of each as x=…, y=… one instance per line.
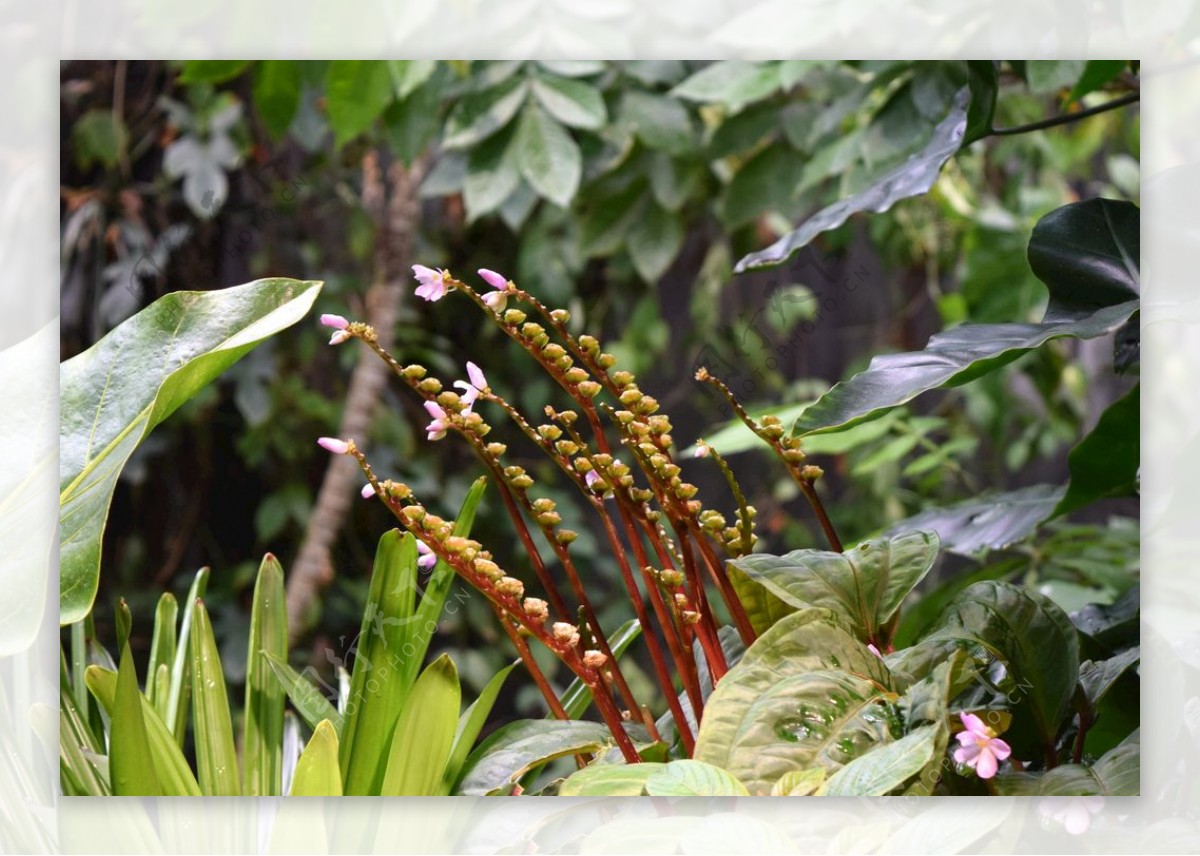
x=1066, y=118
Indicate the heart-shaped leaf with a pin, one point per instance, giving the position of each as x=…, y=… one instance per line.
x=117, y=391
x=864, y=586
x=1088, y=254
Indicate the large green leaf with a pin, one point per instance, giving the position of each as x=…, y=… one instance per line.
x=377, y=685
x=477, y=116
x=1117, y=773
x=951, y=358
x=1106, y=461
x=731, y=82
x=502, y=759
x=990, y=521
x=262, y=735
x=113, y=394
x=1036, y=640
x=688, y=778
x=549, y=159
x=805, y=694
x=1097, y=677
x=277, y=86
x=492, y=175
x=572, y=102
x=864, y=586
x=912, y=178
x=317, y=773
x=425, y=733
x=879, y=772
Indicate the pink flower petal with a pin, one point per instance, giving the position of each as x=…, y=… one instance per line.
x=985, y=768
x=974, y=724
x=339, y=336
x=475, y=373
x=335, y=321
x=999, y=748
x=334, y=445
x=434, y=410
x=368, y=490
x=495, y=280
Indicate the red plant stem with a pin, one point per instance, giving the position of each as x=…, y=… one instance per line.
x=535, y=558
x=535, y=671
x=716, y=569
x=706, y=628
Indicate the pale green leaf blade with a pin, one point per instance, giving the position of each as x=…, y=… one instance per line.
x=687, y=778
x=181, y=669
x=469, y=725
x=162, y=645
x=609, y=780
x=216, y=759
x=424, y=734
x=307, y=699
x=117, y=391
x=262, y=735
x=879, y=772
x=317, y=772
x=132, y=771
x=549, y=159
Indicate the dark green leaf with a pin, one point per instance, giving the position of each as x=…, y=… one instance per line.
x=1116, y=774
x=604, y=223
x=98, y=137
x=277, y=94
x=912, y=178
x=743, y=132
x=654, y=241
x=983, y=82
x=212, y=70
x=987, y=522
x=864, y=586
x=1088, y=254
x=357, y=92
x=412, y=121
x=479, y=115
x=1096, y=73
x=1111, y=627
x=917, y=616
x=1106, y=461
x=548, y=157
x=571, y=102
x=763, y=184
x=113, y=394
x=1097, y=678
x=731, y=82
x=1033, y=636
x=952, y=358
x=409, y=74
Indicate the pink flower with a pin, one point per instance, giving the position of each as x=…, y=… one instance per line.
x=427, y=558
x=1074, y=813
x=591, y=478
x=477, y=385
x=703, y=450
x=979, y=747
x=339, y=336
x=334, y=445
x=874, y=651
x=337, y=322
x=498, y=299
x=441, y=422
x=432, y=282
x=368, y=490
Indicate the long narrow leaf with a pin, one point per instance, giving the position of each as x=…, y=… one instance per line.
x=376, y=688
x=216, y=760
x=181, y=684
x=469, y=726
x=162, y=645
x=129, y=761
x=174, y=774
x=307, y=699
x=317, y=772
x=425, y=733
x=78, y=750
x=262, y=739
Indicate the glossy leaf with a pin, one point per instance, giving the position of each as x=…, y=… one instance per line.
x=377, y=685
x=912, y=178
x=608, y=780
x=1032, y=636
x=174, y=775
x=317, y=772
x=805, y=694
x=687, y=778
x=216, y=759
x=477, y=116
x=424, y=737
x=502, y=759
x=991, y=521
x=917, y=616
x=864, y=586
x=469, y=725
x=357, y=92
x=262, y=735
x=983, y=82
x=312, y=706
x=1088, y=254
x=1098, y=677
x=1106, y=461
x=549, y=159
x=117, y=391
x=878, y=773
x=130, y=766
x=1117, y=773
x=1095, y=74
x=731, y=82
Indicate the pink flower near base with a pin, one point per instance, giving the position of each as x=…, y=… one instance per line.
x=339, y=336
x=436, y=429
x=368, y=490
x=334, y=445
x=477, y=384
x=498, y=299
x=432, y=284
x=427, y=559
x=979, y=747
